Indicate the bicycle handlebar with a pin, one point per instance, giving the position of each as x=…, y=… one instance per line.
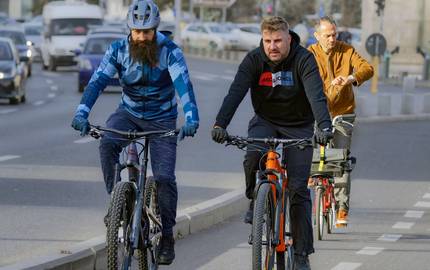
x=241, y=142
x=97, y=132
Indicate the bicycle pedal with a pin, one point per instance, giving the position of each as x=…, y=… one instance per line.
x=250, y=239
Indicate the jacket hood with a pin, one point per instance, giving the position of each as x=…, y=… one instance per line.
x=295, y=41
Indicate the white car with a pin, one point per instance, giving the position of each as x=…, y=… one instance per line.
x=249, y=35
x=213, y=36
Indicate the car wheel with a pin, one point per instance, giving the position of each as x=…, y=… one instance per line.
x=213, y=45
x=13, y=100
x=23, y=98
x=52, y=66
x=81, y=87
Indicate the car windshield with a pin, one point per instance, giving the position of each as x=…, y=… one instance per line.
x=98, y=45
x=5, y=52
x=33, y=30
x=72, y=27
x=218, y=29
x=17, y=37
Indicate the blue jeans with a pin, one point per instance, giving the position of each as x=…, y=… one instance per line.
x=162, y=156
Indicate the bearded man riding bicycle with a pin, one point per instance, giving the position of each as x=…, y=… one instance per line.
x=150, y=67
x=287, y=96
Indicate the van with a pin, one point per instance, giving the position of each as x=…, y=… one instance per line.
x=65, y=25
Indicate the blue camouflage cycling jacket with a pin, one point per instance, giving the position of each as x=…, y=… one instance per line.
x=148, y=92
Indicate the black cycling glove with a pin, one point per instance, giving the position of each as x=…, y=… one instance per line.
x=219, y=134
x=323, y=136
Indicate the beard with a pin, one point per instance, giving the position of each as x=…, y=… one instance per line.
x=144, y=52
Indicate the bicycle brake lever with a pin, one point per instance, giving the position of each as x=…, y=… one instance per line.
x=95, y=134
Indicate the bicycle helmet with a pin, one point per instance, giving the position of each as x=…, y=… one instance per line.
x=143, y=14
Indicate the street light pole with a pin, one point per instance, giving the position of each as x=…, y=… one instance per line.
x=178, y=15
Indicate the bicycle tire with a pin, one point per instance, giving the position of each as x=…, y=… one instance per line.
x=263, y=220
x=285, y=260
x=151, y=202
x=331, y=215
x=119, y=254
x=319, y=213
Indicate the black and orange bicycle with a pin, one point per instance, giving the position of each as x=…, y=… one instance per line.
x=271, y=239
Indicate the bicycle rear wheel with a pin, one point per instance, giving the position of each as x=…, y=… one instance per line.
x=331, y=215
x=319, y=212
x=263, y=251
x=119, y=251
x=152, y=230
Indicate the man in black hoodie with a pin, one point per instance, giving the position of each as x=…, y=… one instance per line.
x=287, y=96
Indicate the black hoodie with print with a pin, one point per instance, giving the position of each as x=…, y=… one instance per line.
x=289, y=93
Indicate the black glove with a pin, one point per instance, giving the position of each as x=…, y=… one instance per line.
x=323, y=136
x=219, y=134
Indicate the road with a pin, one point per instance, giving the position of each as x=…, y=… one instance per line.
x=390, y=211
x=51, y=192
x=52, y=195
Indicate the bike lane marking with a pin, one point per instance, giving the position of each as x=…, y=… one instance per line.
x=389, y=237
x=422, y=204
x=8, y=111
x=8, y=157
x=414, y=214
x=346, y=266
x=403, y=225
x=370, y=251
x=85, y=140
x=38, y=103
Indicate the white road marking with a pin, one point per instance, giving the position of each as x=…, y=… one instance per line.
x=228, y=78
x=346, y=266
x=422, y=204
x=8, y=157
x=403, y=225
x=52, y=95
x=8, y=111
x=38, y=103
x=414, y=214
x=54, y=87
x=49, y=81
x=203, y=78
x=370, y=251
x=426, y=196
x=390, y=237
x=85, y=140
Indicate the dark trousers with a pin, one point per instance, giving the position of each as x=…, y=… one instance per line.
x=162, y=157
x=298, y=168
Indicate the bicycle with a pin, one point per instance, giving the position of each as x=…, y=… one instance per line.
x=328, y=163
x=133, y=220
x=271, y=220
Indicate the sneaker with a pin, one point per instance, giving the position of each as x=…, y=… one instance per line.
x=301, y=262
x=167, y=250
x=342, y=217
x=249, y=213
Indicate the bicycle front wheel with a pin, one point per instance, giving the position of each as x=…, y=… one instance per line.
x=263, y=250
x=119, y=251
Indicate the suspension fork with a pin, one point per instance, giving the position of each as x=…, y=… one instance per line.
x=140, y=191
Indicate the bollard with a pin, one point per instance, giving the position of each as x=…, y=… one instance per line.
x=426, y=103
x=387, y=57
x=407, y=104
x=408, y=83
x=384, y=105
x=426, y=67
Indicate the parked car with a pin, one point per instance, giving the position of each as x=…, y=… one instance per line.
x=33, y=33
x=92, y=54
x=21, y=43
x=209, y=35
x=249, y=35
x=12, y=74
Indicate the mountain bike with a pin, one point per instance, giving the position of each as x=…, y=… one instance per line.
x=133, y=221
x=328, y=163
x=271, y=238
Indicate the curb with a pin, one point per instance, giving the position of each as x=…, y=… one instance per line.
x=91, y=254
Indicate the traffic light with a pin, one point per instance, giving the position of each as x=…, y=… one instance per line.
x=380, y=5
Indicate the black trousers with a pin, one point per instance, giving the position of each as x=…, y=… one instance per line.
x=298, y=164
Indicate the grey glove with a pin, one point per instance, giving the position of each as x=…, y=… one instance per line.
x=219, y=134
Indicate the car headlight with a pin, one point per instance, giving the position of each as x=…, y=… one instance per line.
x=85, y=64
x=29, y=53
x=9, y=74
x=2, y=75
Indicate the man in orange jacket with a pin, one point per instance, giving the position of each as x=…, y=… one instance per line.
x=341, y=67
